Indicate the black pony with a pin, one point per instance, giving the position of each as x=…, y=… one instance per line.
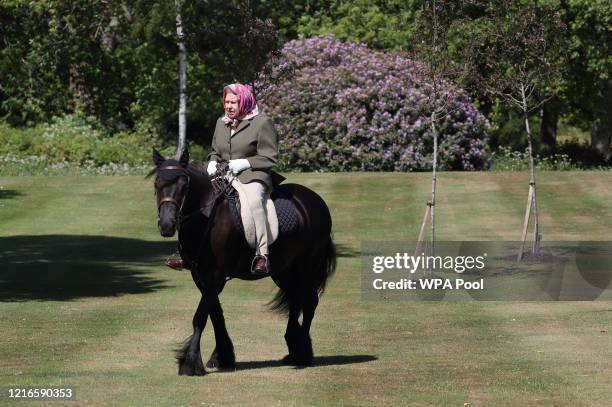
x=216, y=251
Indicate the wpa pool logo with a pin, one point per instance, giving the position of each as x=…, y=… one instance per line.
x=450, y=284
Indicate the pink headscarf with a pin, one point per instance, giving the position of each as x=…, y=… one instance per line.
x=247, y=106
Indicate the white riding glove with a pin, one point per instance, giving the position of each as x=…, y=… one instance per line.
x=239, y=165
x=212, y=168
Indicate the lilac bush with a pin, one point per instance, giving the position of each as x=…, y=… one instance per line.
x=344, y=107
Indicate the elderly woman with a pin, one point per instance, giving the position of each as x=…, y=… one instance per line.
x=248, y=141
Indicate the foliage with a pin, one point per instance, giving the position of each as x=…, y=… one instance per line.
x=382, y=24
x=588, y=91
x=505, y=159
x=117, y=60
x=584, y=88
x=519, y=47
x=590, y=56
x=11, y=165
x=435, y=31
x=508, y=128
x=584, y=155
x=78, y=140
x=572, y=156
x=285, y=13
x=344, y=107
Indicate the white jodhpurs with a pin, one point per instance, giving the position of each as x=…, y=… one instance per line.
x=257, y=195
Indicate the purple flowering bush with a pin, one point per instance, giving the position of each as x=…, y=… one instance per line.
x=344, y=107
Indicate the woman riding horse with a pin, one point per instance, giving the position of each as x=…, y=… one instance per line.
x=216, y=250
x=248, y=141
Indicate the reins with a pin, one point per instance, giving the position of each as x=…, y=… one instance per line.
x=222, y=181
x=222, y=185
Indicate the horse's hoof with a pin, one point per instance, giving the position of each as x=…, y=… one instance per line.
x=287, y=360
x=217, y=366
x=187, y=371
x=218, y=363
x=214, y=364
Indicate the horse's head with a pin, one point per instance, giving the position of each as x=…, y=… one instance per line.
x=171, y=187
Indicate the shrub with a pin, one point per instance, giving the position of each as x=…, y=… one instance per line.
x=72, y=138
x=583, y=154
x=343, y=107
x=11, y=165
x=77, y=144
x=505, y=159
x=17, y=141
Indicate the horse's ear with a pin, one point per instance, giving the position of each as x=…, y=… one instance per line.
x=184, y=160
x=158, y=159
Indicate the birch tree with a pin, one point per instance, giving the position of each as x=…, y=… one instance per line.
x=182, y=140
x=434, y=42
x=520, y=49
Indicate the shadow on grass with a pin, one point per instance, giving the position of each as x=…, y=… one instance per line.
x=9, y=194
x=318, y=361
x=68, y=267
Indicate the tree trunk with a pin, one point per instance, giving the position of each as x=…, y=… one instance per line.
x=76, y=83
x=434, y=130
x=601, y=131
x=432, y=203
x=182, y=82
x=548, y=128
x=600, y=137
x=532, y=182
x=109, y=37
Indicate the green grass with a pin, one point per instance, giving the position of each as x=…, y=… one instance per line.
x=87, y=303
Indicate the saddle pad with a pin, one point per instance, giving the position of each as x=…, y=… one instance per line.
x=286, y=212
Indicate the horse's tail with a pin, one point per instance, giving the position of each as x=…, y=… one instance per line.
x=280, y=303
x=326, y=267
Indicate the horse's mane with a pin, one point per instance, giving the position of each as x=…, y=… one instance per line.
x=195, y=169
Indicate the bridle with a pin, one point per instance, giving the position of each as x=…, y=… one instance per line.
x=221, y=186
x=169, y=199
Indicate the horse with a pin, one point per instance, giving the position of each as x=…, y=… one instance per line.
x=216, y=251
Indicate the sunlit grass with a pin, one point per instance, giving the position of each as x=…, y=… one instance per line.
x=86, y=301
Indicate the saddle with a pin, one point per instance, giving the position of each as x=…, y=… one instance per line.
x=287, y=215
x=286, y=211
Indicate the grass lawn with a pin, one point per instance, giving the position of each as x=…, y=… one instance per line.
x=86, y=302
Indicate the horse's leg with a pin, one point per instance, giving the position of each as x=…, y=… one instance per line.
x=223, y=356
x=308, y=300
x=311, y=300
x=293, y=332
x=298, y=336
x=189, y=357
x=312, y=281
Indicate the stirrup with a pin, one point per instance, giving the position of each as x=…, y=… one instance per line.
x=175, y=264
x=260, y=273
